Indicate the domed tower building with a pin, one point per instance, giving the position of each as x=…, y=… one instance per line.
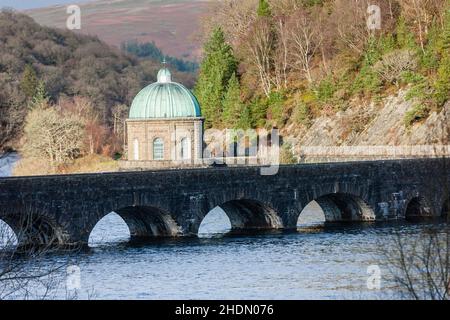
x=165, y=126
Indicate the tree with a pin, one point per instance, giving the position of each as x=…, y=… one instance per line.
x=52, y=135
x=216, y=69
x=232, y=104
x=264, y=9
x=305, y=41
x=40, y=98
x=245, y=121
x=261, y=44
x=29, y=82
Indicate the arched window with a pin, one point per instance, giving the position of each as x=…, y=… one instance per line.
x=158, y=149
x=184, y=149
x=136, y=149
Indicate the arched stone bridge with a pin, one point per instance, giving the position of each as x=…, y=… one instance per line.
x=65, y=209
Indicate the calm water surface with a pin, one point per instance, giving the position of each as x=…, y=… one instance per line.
x=317, y=262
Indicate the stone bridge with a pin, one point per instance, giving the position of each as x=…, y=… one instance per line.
x=63, y=210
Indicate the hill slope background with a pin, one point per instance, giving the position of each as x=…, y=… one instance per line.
x=172, y=24
x=61, y=65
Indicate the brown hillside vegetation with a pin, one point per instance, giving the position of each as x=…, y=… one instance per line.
x=171, y=24
x=64, y=65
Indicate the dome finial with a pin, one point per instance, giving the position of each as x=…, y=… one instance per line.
x=164, y=75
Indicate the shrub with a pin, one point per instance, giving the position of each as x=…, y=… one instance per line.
x=393, y=64
x=287, y=155
x=416, y=114
x=303, y=114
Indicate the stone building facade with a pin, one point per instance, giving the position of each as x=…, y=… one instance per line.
x=165, y=126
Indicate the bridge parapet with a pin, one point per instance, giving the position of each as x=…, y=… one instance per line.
x=174, y=202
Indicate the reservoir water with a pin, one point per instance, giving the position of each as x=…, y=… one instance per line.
x=316, y=262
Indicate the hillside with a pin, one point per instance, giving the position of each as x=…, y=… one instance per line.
x=313, y=69
x=60, y=65
x=172, y=24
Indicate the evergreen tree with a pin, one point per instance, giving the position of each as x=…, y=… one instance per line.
x=29, y=82
x=264, y=9
x=216, y=69
x=245, y=120
x=40, y=98
x=232, y=104
x=442, y=85
x=405, y=38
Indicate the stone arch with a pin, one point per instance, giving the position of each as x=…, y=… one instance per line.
x=344, y=207
x=246, y=214
x=8, y=236
x=146, y=222
x=418, y=208
x=35, y=230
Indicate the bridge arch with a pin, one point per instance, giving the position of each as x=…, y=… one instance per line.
x=418, y=208
x=338, y=207
x=35, y=230
x=145, y=222
x=8, y=236
x=248, y=214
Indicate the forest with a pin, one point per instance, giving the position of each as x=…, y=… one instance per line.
x=266, y=63
x=271, y=63
x=71, y=78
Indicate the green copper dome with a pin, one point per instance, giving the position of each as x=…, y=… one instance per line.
x=164, y=99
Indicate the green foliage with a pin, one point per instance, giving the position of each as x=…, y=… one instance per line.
x=429, y=59
x=149, y=50
x=367, y=81
x=275, y=104
x=411, y=77
x=29, y=82
x=287, y=155
x=245, y=120
x=325, y=90
x=443, y=44
x=416, y=114
x=264, y=9
x=442, y=84
x=216, y=69
x=258, y=109
x=40, y=98
x=303, y=114
x=232, y=104
x=405, y=38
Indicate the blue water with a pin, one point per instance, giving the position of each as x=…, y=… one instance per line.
x=316, y=262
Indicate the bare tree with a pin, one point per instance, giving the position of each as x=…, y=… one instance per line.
x=420, y=264
x=234, y=16
x=261, y=43
x=349, y=17
x=422, y=13
x=26, y=270
x=306, y=40
x=282, y=54
x=53, y=136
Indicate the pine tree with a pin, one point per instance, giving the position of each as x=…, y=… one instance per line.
x=29, y=82
x=264, y=9
x=442, y=84
x=232, y=104
x=216, y=69
x=405, y=38
x=245, y=120
x=40, y=98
